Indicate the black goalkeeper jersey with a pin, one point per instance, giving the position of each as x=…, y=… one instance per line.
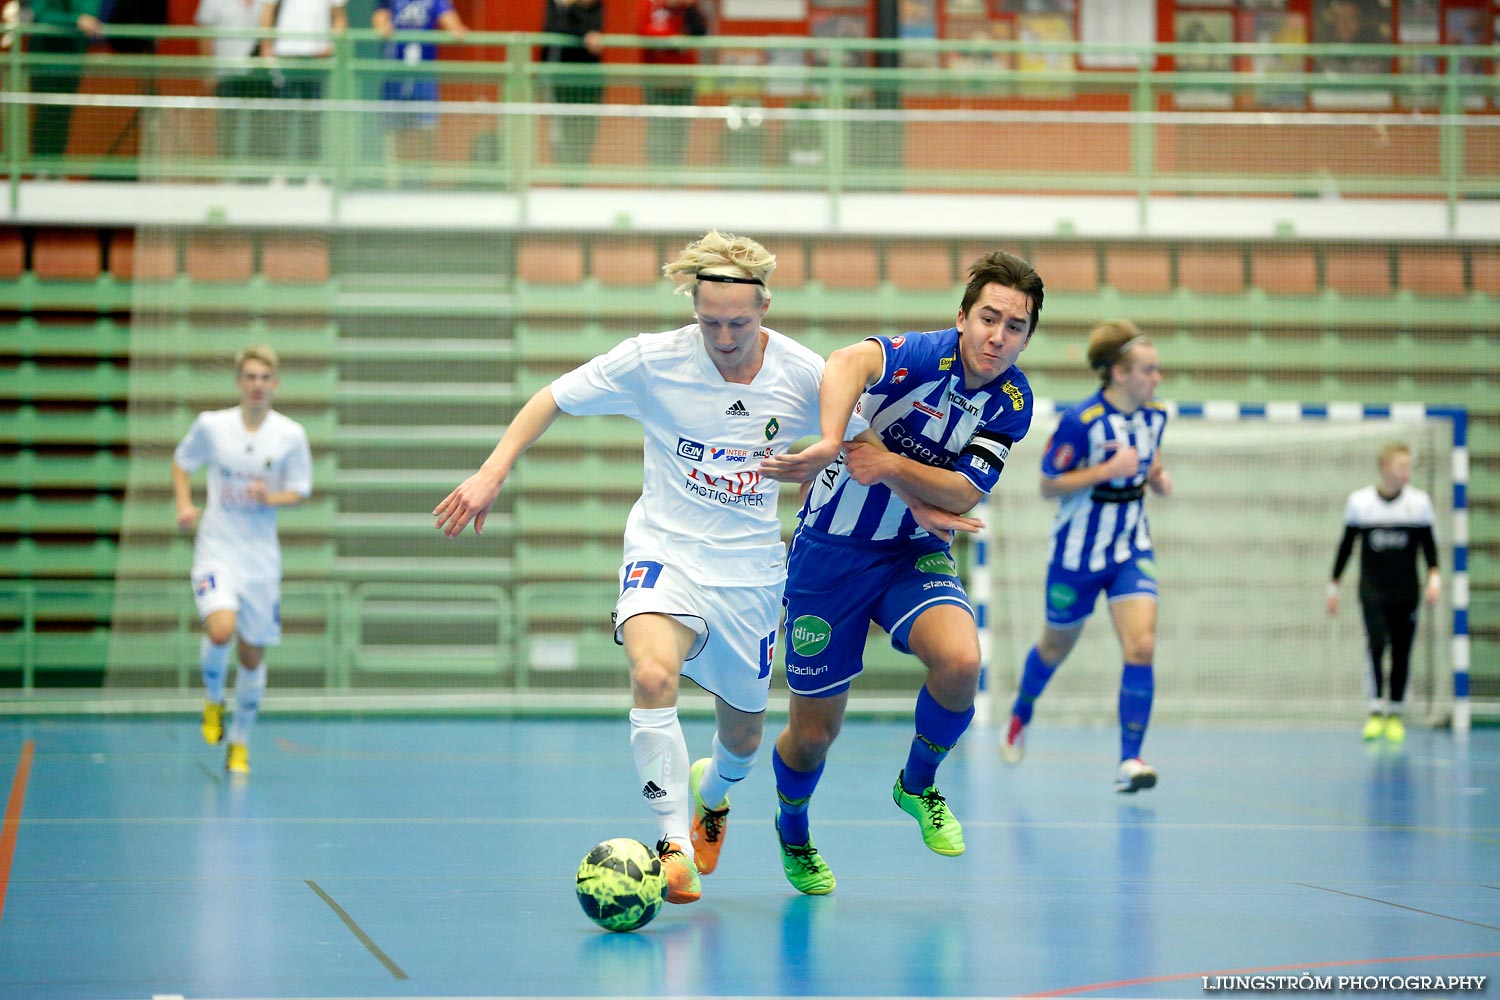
x=1391, y=531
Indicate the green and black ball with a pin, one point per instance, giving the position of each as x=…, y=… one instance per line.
x=621, y=884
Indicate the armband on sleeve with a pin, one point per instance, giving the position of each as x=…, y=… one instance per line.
x=993, y=448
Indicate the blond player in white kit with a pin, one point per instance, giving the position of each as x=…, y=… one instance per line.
x=258, y=461
x=700, y=584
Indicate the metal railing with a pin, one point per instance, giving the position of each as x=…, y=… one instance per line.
x=784, y=114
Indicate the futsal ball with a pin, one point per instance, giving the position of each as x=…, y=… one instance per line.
x=621, y=884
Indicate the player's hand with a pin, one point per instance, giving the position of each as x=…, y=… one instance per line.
x=942, y=523
x=187, y=519
x=470, y=502
x=256, y=492
x=1333, y=602
x=865, y=462
x=1123, y=463
x=802, y=467
x=1434, y=589
x=1161, y=483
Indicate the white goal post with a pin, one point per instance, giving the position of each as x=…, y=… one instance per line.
x=1244, y=550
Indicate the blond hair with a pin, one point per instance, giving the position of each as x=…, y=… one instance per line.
x=1109, y=342
x=263, y=353
x=722, y=254
x=1391, y=450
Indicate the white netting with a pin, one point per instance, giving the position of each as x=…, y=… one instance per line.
x=1244, y=550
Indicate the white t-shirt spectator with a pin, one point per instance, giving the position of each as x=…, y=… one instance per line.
x=303, y=16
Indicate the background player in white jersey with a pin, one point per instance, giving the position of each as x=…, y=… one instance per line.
x=1099, y=462
x=704, y=563
x=947, y=406
x=1393, y=521
x=258, y=460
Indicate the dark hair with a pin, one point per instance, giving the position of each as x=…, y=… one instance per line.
x=1001, y=268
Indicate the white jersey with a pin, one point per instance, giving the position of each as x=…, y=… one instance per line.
x=236, y=532
x=302, y=16
x=704, y=504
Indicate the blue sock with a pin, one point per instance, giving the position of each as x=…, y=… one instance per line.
x=794, y=789
x=1033, y=682
x=937, y=731
x=1137, y=685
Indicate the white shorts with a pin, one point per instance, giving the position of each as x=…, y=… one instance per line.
x=736, y=628
x=255, y=603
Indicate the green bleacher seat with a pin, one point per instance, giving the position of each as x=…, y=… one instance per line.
x=586, y=474
x=28, y=470
x=103, y=338
x=428, y=351
x=567, y=559
x=589, y=516
x=106, y=381
x=111, y=425
x=146, y=655
x=155, y=517
x=26, y=514
x=300, y=558
x=30, y=558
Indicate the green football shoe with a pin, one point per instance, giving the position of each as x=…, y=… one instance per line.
x=804, y=866
x=941, y=831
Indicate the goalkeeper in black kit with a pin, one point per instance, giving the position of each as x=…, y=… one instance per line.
x=1392, y=520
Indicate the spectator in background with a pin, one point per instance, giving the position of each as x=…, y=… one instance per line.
x=1353, y=22
x=135, y=13
x=80, y=18
x=573, y=135
x=241, y=135
x=293, y=21
x=666, y=138
x=413, y=136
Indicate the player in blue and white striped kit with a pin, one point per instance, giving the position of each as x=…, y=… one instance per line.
x=1104, y=455
x=947, y=407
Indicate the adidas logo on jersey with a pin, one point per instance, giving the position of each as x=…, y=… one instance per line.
x=737, y=410
x=652, y=790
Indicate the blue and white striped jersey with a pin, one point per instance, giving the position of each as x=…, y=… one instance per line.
x=1105, y=524
x=921, y=410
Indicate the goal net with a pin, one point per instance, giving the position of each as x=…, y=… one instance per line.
x=1245, y=547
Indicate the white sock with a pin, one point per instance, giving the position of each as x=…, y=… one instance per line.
x=1377, y=706
x=249, y=685
x=661, y=762
x=214, y=660
x=723, y=772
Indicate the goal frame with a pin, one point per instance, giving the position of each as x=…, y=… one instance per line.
x=982, y=585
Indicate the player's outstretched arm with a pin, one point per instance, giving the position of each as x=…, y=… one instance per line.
x=474, y=497
x=847, y=373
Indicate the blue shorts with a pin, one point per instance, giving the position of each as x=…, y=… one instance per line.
x=410, y=88
x=1071, y=594
x=836, y=586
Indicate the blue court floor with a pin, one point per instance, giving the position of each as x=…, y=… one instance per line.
x=376, y=857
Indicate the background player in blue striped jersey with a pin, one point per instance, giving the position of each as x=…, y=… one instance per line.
x=947, y=407
x=1099, y=462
